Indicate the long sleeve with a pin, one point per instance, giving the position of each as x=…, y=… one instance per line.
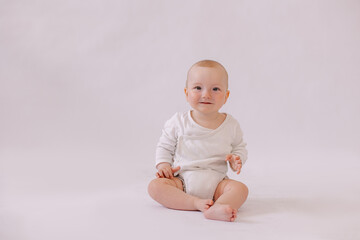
x=166, y=146
x=239, y=146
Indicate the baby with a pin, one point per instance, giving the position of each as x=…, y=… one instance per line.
x=195, y=146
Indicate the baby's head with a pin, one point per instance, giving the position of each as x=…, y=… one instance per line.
x=220, y=69
x=207, y=86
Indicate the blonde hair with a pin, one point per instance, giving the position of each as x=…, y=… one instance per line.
x=210, y=64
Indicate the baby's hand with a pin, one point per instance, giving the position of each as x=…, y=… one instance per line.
x=166, y=171
x=235, y=162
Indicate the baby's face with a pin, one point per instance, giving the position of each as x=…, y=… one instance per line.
x=206, y=89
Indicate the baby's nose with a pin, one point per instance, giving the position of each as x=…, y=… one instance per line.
x=206, y=94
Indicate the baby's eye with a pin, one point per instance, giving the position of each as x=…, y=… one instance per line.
x=197, y=88
x=216, y=89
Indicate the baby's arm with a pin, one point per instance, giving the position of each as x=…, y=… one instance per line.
x=234, y=162
x=239, y=147
x=165, y=170
x=165, y=150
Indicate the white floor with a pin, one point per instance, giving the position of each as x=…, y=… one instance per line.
x=284, y=203
x=128, y=211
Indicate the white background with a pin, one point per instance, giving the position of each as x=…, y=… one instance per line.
x=86, y=86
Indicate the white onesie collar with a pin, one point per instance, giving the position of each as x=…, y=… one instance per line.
x=208, y=129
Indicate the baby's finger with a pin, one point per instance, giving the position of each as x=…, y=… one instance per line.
x=164, y=173
x=170, y=174
x=160, y=174
x=174, y=170
x=228, y=157
x=167, y=174
x=238, y=169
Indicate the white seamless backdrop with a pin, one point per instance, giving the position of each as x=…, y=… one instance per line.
x=85, y=88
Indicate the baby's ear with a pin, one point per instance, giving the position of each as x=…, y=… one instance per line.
x=227, y=95
x=186, y=91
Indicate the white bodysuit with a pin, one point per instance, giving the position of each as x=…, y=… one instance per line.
x=200, y=152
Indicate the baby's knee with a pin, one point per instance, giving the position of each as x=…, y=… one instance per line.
x=238, y=187
x=156, y=186
x=241, y=187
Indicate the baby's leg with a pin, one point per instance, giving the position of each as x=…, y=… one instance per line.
x=169, y=193
x=231, y=192
x=229, y=196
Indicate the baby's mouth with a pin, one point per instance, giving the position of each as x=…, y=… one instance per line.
x=205, y=102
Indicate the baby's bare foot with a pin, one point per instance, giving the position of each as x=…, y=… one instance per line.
x=221, y=212
x=203, y=204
